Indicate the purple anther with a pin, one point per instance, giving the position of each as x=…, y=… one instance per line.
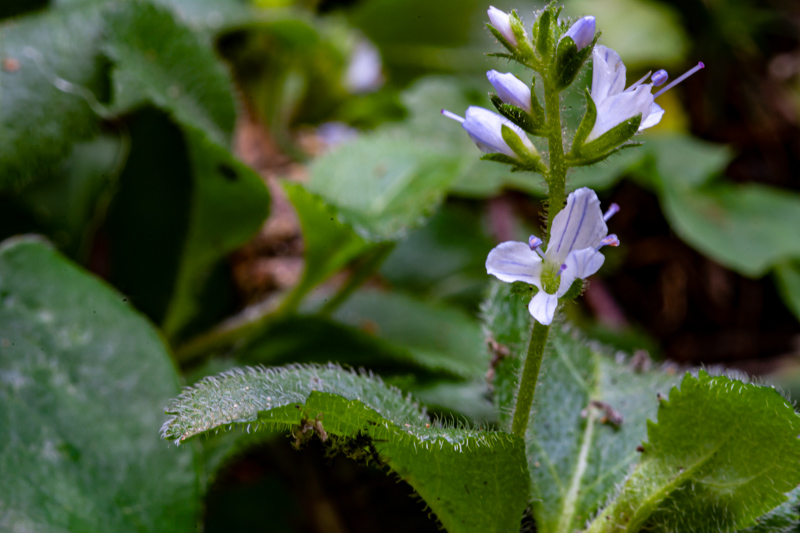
x=562, y=269
x=676, y=81
x=613, y=209
x=659, y=78
x=534, y=242
x=611, y=240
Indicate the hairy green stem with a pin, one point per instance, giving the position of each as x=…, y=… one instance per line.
x=530, y=375
x=557, y=177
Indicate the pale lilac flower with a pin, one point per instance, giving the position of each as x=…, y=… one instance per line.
x=614, y=103
x=511, y=89
x=485, y=128
x=364, y=74
x=502, y=23
x=582, y=32
x=578, y=233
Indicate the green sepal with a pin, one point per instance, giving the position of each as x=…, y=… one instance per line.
x=529, y=158
x=569, y=60
x=520, y=117
x=537, y=111
x=574, y=290
x=524, y=47
x=518, y=166
x=600, y=148
x=591, y=161
x=523, y=290
x=544, y=37
x=502, y=40
x=587, y=123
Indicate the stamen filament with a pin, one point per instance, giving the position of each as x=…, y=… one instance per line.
x=455, y=117
x=641, y=81
x=613, y=209
x=679, y=79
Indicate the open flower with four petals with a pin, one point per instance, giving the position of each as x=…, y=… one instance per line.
x=578, y=233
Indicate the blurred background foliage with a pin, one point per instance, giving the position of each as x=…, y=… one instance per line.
x=271, y=182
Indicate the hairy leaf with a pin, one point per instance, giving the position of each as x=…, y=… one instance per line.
x=722, y=453
x=82, y=378
x=577, y=453
x=472, y=480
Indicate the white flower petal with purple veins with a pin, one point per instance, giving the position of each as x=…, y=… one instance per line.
x=515, y=261
x=502, y=23
x=511, y=89
x=579, y=225
x=614, y=103
x=578, y=232
x=543, y=307
x=608, y=73
x=580, y=264
x=582, y=32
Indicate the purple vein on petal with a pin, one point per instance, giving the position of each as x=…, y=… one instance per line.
x=580, y=224
x=566, y=227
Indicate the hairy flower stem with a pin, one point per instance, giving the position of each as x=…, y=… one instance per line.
x=557, y=183
x=557, y=177
x=530, y=375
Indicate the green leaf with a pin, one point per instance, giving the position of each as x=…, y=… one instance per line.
x=160, y=61
x=330, y=244
x=229, y=203
x=473, y=480
x=383, y=184
x=82, y=378
x=183, y=205
x=439, y=337
x=544, y=35
x=70, y=205
x=444, y=260
x=747, y=228
x=47, y=103
x=785, y=518
x=722, y=454
x=787, y=277
x=574, y=461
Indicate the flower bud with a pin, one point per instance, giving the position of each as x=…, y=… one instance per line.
x=511, y=89
x=582, y=32
x=502, y=23
x=485, y=128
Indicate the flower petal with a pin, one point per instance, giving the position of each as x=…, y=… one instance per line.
x=543, y=307
x=582, y=32
x=653, y=118
x=502, y=23
x=515, y=261
x=621, y=107
x=579, y=225
x=580, y=265
x=485, y=129
x=608, y=73
x=511, y=89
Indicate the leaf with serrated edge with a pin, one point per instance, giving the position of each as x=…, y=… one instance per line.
x=574, y=462
x=473, y=480
x=722, y=453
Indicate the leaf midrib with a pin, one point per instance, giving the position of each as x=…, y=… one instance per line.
x=570, y=502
